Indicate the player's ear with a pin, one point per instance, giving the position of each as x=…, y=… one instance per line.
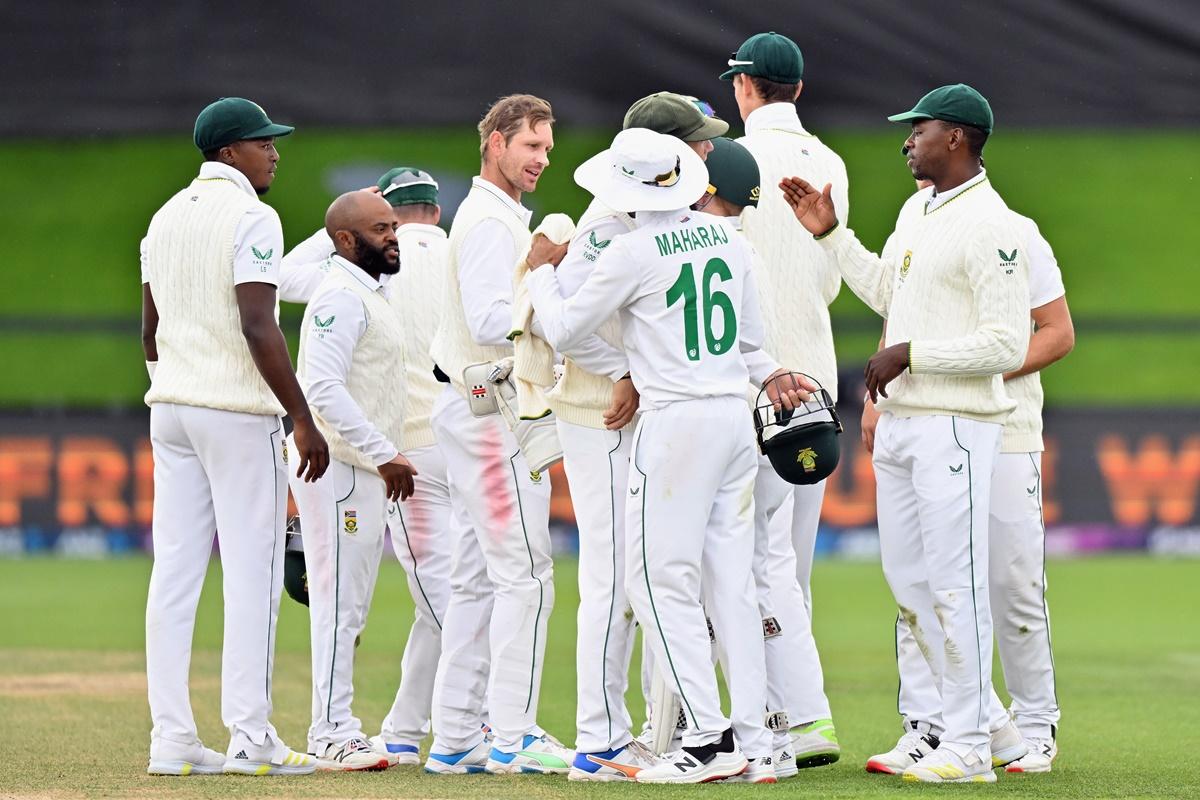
x=799, y=89
x=495, y=144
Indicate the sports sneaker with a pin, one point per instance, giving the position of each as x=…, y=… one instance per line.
x=353, y=755
x=912, y=747
x=465, y=762
x=173, y=758
x=710, y=762
x=943, y=765
x=1007, y=745
x=760, y=770
x=1041, y=754
x=785, y=763
x=622, y=764
x=815, y=743
x=541, y=754
x=646, y=737
x=397, y=754
x=273, y=758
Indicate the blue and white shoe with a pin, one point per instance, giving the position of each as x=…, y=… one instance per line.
x=538, y=754
x=622, y=764
x=467, y=762
x=397, y=754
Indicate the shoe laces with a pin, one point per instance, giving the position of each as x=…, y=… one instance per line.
x=640, y=752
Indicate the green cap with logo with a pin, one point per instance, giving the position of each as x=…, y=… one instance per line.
x=676, y=115
x=767, y=55
x=734, y=172
x=407, y=186
x=956, y=103
x=233, y=119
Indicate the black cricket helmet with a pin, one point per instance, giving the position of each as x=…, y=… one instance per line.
x=295, y=572
x=801, y=444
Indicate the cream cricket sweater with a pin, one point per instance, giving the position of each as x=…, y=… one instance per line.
x=376, y=378
x=796, y=271
x=953, y=283
x=203, y=359
x=581, y=397
x=452, y=348
x=417, y=293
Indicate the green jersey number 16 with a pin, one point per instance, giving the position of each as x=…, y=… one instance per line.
x=685, y=288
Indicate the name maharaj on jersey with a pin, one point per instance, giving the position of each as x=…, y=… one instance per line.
x=686, y=240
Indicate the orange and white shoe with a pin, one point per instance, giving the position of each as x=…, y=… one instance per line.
x=1039, y=758
x=355, y=755
x=760, y=770
x=622, y=764
x=912, y=747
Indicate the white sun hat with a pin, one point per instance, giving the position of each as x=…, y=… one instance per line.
x=644, y=171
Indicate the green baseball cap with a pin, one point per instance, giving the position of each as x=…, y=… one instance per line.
x=233, y=119
x=767, y=55
x=676, y=115
x=734, y=172
x=406, y=186
x=955, y=103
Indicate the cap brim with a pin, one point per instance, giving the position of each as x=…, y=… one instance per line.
x=619, y=193
x=728, y=74
x=908, y=116
x=268, y=131
x=711, y=128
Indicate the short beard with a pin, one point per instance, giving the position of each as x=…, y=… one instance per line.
x=372, y=259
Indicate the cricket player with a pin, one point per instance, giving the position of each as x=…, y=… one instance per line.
x=220, y=377
x=766, y=74
x=420, y=526
x=953, y=286
x=690, y=504
x=351, y=363
x=1016, y=557
x=502, y=581
x=594, y=403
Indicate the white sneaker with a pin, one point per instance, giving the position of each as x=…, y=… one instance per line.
x=760, y=770
x=815, y=744
x=622, y=764
x=538, y=754
x=1007, y=745
x=1041, y=753
x=466, y=762
x=397, y=754
x=273, y=758
x=912, y=747
x=945, y=766
x=712, y=762
x=646, y=737
x=353, y=755
x=785, y=763
x=173, y=758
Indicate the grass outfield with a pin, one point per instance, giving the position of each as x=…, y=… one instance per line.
x=79, y=209
x=72, y=690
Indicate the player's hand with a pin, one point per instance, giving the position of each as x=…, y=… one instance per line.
x=814, y=209
x=624, y=405
x=543, y=251
x=883, y=367
x=313, y=450
x=398, y=477
x=870, y=419
x=787, y=390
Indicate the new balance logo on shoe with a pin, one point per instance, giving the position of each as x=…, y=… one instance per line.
x=686, y=764
x=242, y=754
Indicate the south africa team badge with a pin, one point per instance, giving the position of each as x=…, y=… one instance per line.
x=904, y=265
x=285, y=451
x=350, y=522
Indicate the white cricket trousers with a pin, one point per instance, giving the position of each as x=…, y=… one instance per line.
x=342, y=516
x=785, y=533
x=422, y=540
x=597, y=466
x=1017, y=583
x=690, y=513
x=219, y=471
x=933, y=477
x=502, y=581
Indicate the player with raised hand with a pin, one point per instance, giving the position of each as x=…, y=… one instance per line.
x=351, y=363
x=766, y=74
x=691, y=327
x=220, y=378
x=954, y=289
